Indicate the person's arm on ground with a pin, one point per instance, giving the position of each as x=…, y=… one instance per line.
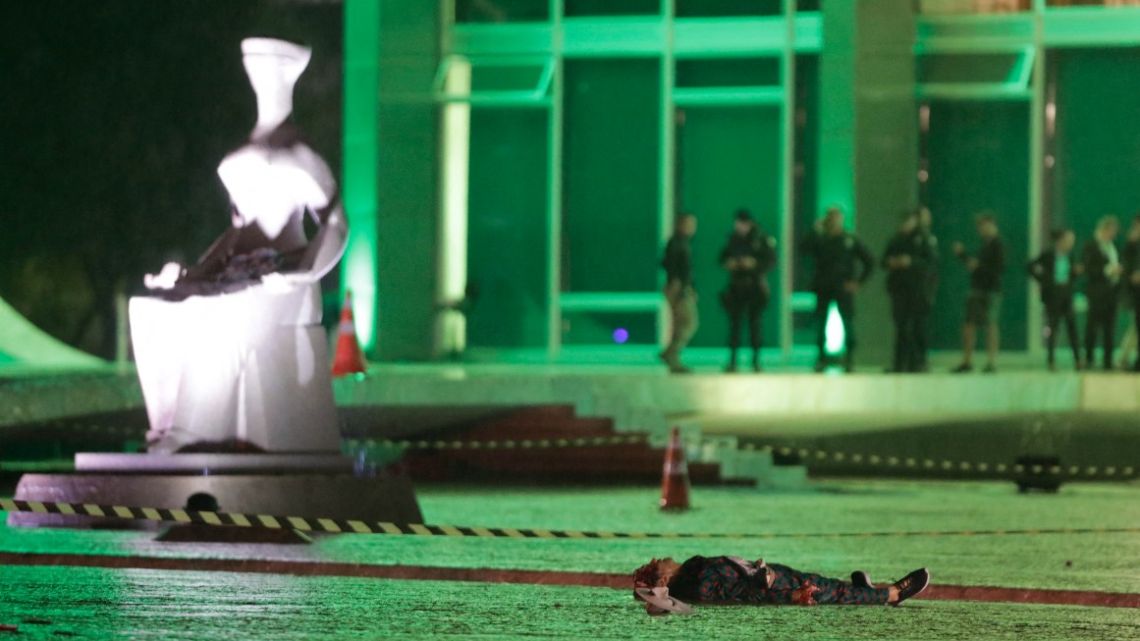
x=722, y=581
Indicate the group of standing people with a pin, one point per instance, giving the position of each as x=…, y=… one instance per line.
x=1111, y=277
x=842, y=263
x=748, y=255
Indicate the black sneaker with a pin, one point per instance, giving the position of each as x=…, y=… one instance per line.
x=912, y=585
x=861, y=579
x=989, y=369
x=730, y=369
x=963, y=368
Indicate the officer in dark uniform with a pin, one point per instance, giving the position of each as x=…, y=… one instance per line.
x=928, y=243
x=1103, y=271
x=1131, y=260
x=906, y=259
x=1056, y=271
x=747, y=256
x=842, y=264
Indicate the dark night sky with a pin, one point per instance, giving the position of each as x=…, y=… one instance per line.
x=113, y=117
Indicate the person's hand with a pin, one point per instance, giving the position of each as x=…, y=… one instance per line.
x=958, y=248
x=1114, y=270
x=851, y=286
x=903, y=261
x=1135, y=278
x=748, y=262
x=972, y=264
x=1078, y=269
x=730, y=264
x=165, y=278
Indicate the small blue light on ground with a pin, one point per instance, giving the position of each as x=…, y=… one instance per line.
x=621, y=336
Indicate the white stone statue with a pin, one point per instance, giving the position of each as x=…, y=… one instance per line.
x=231, y=354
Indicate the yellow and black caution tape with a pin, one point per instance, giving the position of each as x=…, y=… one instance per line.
x=899, y=462
x=501, y=444
x=807, y=455
x=354, y=443
x=348, y=526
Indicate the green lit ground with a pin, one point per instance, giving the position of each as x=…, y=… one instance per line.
x=142, y=604
x=193, y=605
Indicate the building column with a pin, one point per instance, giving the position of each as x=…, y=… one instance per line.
x=361, y=149
x=408, y=175
x=868, y=138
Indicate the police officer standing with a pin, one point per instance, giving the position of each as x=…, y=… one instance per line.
x=907, y=260
x=679, y=291
x=747, y=256
x=1131, y=276
x=1102, y=278
x=1056, y=272
x=842, y=264
x=929, y=244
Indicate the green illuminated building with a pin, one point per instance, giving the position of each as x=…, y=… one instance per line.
x=538, y=150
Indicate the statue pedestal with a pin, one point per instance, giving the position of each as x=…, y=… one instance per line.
x=306, y=485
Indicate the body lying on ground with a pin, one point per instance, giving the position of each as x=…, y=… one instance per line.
x=667, y=586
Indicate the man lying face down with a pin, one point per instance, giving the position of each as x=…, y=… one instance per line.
x=666, y=585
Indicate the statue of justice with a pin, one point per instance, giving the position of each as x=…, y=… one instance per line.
x=230, y=351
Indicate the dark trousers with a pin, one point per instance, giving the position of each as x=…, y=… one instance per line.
x=907, y=312
x=922, y=334
x=1136, y=319
x=1058, y=312
x=1101, y=320
x=740, y=307
x=786, y=581
x=845, y=302
x=683, y=308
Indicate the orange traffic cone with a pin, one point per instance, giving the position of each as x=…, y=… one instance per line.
x=675, y=478
x=349, y=358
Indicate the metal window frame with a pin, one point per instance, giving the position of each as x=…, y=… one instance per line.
x=539, y=96
x=1017, y=85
